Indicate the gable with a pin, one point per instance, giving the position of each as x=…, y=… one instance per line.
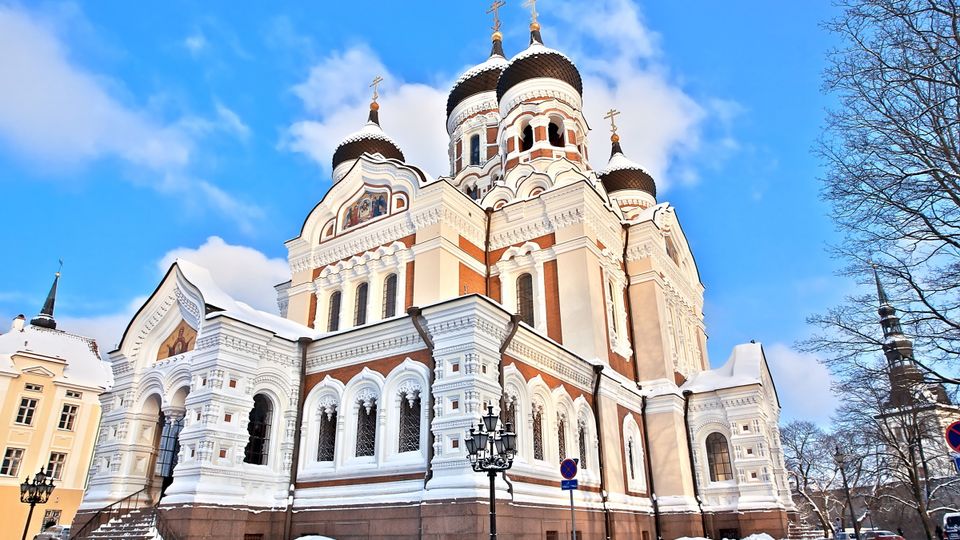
x=182, y=339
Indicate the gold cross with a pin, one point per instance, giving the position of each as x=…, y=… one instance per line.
x=532, y=4
x=495, y=9
x=612, y=116
x=376, y=81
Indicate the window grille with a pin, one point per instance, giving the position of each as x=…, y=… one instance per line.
x=390, y=296
x=526, y=138
x=718, y=458
x=328, y=435
x=475, y=150
x=28, y=407
x=510, y=413
x=555, y=134
x=409, y=421
x=333, y=321
x=525, y=298
x=11, y=462
x=56, y=464
x=68, y=416
x=582, y=440
x=360, y=309
x=537, y=433
x=562, y=437
x=633, y=475
x=258, y=429
x=366, y=428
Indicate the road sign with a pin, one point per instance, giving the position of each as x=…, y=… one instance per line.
x=568, y=468
x=953, y=436
x=568, y=484
x=956, y=463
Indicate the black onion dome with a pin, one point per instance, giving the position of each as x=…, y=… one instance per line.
x=480, y=78
x=623, y=174
x=535, y=62
x=369, y=140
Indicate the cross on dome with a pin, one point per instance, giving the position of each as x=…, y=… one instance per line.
x=376, y=82
x=495, y=9
x=612, y=116
x=532, y=4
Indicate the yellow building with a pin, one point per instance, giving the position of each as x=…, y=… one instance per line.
x=50, y=383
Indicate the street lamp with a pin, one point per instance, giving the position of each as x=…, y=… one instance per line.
x=33, y=493
x=840, y=459
x=491, y=450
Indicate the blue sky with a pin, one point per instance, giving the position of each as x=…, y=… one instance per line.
x=129, y=136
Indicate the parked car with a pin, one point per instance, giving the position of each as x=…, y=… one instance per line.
x=57, y=532
x=951, y=526
x=881, y=535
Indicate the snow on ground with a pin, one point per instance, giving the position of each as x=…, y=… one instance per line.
x=314, y=537
x=761, y=536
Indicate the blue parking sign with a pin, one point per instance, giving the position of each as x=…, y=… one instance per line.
x=568, y=484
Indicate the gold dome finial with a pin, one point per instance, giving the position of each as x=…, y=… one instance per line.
x=495, y=9
x=612, y=116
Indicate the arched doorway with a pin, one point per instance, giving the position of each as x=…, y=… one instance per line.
x=167, y=442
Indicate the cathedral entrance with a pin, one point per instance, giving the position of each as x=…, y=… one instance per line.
x=168, y=450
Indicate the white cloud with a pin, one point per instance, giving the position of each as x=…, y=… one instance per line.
x=105, y=329
x=195, y=43
x=803, y=384
x=661, y=125
x=59, y=115
x=243, y=272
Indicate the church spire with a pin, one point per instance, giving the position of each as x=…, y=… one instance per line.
x=45, y=318
x=905, y=376
x=497, y=38
x=534, y=25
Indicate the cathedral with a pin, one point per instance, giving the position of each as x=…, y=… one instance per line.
x=534, y=279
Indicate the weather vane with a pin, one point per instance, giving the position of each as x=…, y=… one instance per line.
x=376, y=82
x=612, y=116
x=532, y=4
x=495, y=9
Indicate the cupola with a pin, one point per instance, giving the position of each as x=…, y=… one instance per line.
x=369, y=140
x=623, y=179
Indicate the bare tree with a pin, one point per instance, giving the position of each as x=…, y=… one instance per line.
x=807, y=455
x=892, y=150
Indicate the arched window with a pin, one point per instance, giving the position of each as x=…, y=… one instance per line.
x=561, y=437
x=409, y=421
x=526, y=138
x=259, y=431
x=390, y=296
x=509, y=414
x=360, y=309
x=718, y=458
x=582, y=439
x=555, y=133
x=475, y=150
x=630, y=460
x=525, y=298
x=537, y=432
x=366, y=426
x=328, y=433
x=612, y=309
x=333, y=321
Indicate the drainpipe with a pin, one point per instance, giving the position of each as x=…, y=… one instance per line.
x=297, y=432
x=512, y=328
x=693, y=470
x=633, y=338
x=419, y=321
x=486, y=256
x=597, y=370
x=649, y=467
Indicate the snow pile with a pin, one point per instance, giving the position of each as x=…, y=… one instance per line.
x=761, y=536
x=314, y=537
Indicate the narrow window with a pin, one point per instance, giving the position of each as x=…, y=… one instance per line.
x=526, y=138
x=55, y=465
x=555, y=134
x=718, y=458
x=258, y=429
x=360, y=309
x=633, y=476
x=333, y=321
x=328, y=434
x=538, y=433
x=68, y=416
x=562, y=437
x=409, y=421
x=525, y=298
x=390, y=296
x=612, y=309
x=475, y=150
x=582, y=436
x=11, y=462
x=366, y=427
x=672, y=250
x=510, y=414
x=28, y=407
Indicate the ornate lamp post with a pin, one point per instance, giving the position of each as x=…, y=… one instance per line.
x=841, y=460
x=33, y=493
x=491, y=450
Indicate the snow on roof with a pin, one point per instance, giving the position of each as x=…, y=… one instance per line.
x=216, y=297
x=647, y=214
x=494, y=62
x=371, y=130
x=619, y=162
x=536, y=48
x=83, y=363
x=744, y=367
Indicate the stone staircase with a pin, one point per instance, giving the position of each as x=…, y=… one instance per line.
x=139, y=524
x=803, y=531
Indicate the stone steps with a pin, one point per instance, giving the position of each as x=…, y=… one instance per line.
x=137, y=525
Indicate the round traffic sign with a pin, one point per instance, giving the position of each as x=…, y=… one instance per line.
x=568, y=468
x=953, y=436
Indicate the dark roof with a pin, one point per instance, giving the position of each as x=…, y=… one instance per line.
x=481, y=81
x=621, y=179
x=547, y=63
x=370, y=143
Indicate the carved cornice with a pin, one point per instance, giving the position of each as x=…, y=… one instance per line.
x=246, y=347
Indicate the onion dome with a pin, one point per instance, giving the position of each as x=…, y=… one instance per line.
x=480, y=78
x=538, y=61
x=623, y=174
x=369, y=140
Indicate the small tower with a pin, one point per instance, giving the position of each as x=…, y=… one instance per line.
x=369, y=140
x=45, y=318
x=626, y=182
